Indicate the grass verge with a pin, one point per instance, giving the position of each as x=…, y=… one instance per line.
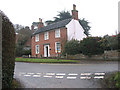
x=36, y=60
x=111, y=80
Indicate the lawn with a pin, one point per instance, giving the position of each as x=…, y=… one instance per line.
x=36, y=60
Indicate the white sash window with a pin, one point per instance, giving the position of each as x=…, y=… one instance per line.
x=37, y=49
x=36, y=37
x=57, y=47
x=57, y=33
x=46, y=35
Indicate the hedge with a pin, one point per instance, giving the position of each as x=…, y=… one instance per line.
x=8, y=51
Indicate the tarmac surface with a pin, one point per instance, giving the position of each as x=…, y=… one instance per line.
x=83, y=75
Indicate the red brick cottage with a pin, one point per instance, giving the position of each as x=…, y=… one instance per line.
x=48, y=40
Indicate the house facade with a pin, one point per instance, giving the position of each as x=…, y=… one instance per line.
x=49, y=40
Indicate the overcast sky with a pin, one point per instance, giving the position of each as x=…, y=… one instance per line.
x=102, y=14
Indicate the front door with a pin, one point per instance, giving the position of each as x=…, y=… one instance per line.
x=46, y=51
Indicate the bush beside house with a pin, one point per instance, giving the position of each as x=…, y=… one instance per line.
x=8, y=51
x=93, y=46
x=88, y=46
x=71, y=47
x=110, y=42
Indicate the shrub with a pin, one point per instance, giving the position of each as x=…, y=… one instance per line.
x=8, y=51
x=19, y=50
x=111, y=80
x=27, y=52
x=91, y=46
x=110, y=42
x=24, y=35
x=71, y=47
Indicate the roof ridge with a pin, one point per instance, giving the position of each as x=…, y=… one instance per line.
x=55, y=25
x=59, y=21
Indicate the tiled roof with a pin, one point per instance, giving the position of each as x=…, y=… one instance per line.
x=54, y=26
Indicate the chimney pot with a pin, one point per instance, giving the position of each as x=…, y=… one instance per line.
x=40, y=23
x=74, y=7
x=40, y=20
x=74, y=12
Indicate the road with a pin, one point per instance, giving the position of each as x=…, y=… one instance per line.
x=83, y=75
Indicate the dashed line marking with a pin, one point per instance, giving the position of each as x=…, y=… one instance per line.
x=99, y=73
x=72, y=74
x=98, y=77
x=85, y=77
x=27, y=75
x=85, y=73
x=71, y=77
x=47, y=76
x=36, y=75
x=30, y=73
x=60, y=74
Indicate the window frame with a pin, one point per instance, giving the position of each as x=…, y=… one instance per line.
x=57, y=33
x=36, y=37
x=56, y=47
x=46, y=35
x=36, y=49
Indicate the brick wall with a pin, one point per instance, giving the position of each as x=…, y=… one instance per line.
x=51, y=41
x=107, y=55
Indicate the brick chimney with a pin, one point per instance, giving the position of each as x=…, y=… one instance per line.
x=40, y=23
x=74, y=12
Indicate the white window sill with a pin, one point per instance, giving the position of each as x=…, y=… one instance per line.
x=57, y=37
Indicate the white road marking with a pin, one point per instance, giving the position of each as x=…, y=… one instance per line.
x=27, y=75
x=99, y=77
x=72, y=74
x=71, y=77
x=36, y=75
x=58, y=76
x=99, y=73
x=50, y=73
x=47, y=76
x=30, y=73
x=85, y=77
x=85, y=73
